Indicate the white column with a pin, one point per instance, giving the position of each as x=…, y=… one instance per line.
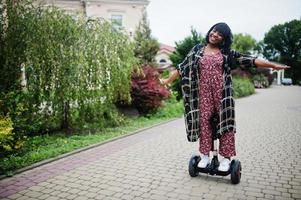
x=278, y=77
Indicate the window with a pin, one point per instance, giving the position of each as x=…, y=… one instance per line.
x=162, y=61
x=116, y=22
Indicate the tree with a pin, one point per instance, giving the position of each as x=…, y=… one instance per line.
x=75, y=70
x=184, y=46
x=243, y=43
x=182, y=49
x=246, y=44
x=282, y=43
x=146, y=47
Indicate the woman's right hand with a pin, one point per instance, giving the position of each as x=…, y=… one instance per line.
x=163, y=82
x=174, y=75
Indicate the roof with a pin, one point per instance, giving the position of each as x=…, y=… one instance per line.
x=167, y=48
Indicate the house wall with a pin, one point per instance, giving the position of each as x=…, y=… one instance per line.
x=131, y=13
x=130, y=10
x=163, y=55
x=70, y=6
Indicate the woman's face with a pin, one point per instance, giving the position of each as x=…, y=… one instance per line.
x=215, y=37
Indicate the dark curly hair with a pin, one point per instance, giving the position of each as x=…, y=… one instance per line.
x=226, y=32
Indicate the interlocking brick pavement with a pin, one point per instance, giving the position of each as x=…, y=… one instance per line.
x=153, y=164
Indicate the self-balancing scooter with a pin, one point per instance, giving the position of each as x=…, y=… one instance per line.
x=212, y=168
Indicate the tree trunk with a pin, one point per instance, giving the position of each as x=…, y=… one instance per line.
x=65, y=123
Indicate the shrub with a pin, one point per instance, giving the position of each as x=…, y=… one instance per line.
x=6, y=134
x=242, y=87
x=267, y=74
x=147, y=93
x=8, y=140
x=260, y=81
x=172, y=108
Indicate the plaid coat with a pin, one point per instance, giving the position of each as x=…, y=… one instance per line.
x=189, y=71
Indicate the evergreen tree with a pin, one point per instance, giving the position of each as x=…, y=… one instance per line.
x=182, y=49
x=146, y=47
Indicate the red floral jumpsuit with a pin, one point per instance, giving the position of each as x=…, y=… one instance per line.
x=211, y=87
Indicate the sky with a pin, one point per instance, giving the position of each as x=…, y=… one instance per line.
x=171, y=20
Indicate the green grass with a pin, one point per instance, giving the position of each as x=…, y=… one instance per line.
x=43, y=147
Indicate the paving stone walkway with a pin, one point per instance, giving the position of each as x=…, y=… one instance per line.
x=153, y=164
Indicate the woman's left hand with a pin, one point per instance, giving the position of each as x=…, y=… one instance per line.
x=279, y=67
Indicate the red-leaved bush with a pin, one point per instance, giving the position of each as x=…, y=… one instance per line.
x=147, y=92
x=241, y=73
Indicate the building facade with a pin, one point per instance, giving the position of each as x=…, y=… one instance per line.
x=125, y=15
x=162, y=57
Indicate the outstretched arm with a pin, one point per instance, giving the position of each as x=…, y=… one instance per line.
x=244, y=60
x=267, y=64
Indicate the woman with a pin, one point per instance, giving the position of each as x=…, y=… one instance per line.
x=207, y=90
